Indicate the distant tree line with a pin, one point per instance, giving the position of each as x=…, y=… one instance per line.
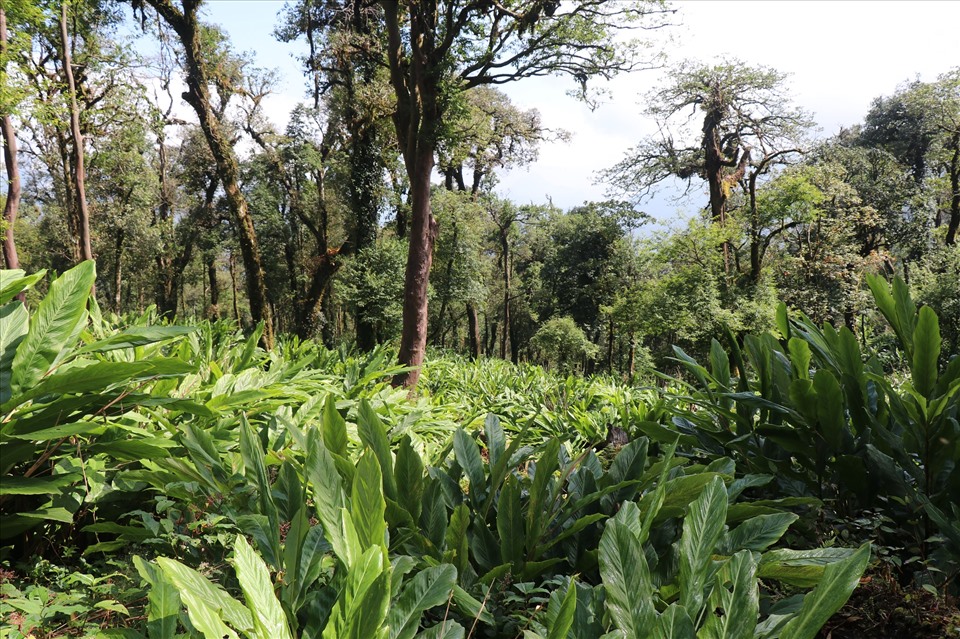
x=372, y=217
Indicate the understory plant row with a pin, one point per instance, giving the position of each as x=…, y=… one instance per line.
x=161, y=480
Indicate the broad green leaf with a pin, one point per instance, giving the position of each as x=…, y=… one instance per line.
x=48, y=485
x=758, y=533
x=409, y=472
x=468, y=456
x=626, y=579
x=62, y=310
x=510, y=522
x=103, y=375
x=429, y=588
x=678, y=493
x=538, y=506
x=444, y=630
x=13, y=281
x=926, y=352
x=205, y=618
x=191, y=584
x=373, y=434
x=737, y=595
x=14, y=324
x=135, y=336
x=334, y=427
x=839, y=580
x=256, y=471
x=367, y=595
x=367, y=503
x=673, y=623
x=802, y=568
x=163, y=601
x=702, y=527
x=719, y=364
x=830, y=408
x=496, y=441
x=328, y=494
x=269, y=620
x=799, y=357
x=562, y=621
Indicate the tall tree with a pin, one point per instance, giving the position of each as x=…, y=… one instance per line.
x=81, y=211
x=745, y=117
x=437, y=48
x=344, y=64
x=196, y=40
x=12, y=204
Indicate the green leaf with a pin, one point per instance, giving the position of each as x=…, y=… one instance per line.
x=49, y=485
x=372, y=433
x=802, y=568
x=626, y=579
x=269, y=620
x=163, y=601
x=673, y=623
x=409, y=472
x=367, y=503
x=328, y=494
x=702, y=527
x=758, y=533
x=205, y=618
x=12, y=282
x=926, y=352
x=737, y=595
x=496, y=441
x=510, y=523
x=14, y=324
x=563, y=620
x=429, y=588
x=62, y=310
x=333, y=427
x=839, y=581
x=194, y=587
x=537, y=506
x=445, y=630
x=830, y=408
x=136, y=336
x=719, y=364
x=468, y=456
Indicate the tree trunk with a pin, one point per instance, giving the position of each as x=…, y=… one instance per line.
x=233, y=287
x=213, y=311
x=473, y=330
x=632, y=358
x=79, y=174
x=505, y=251
x=198, y=96
x=12, y=205
x=423, y=233
x=117, y=270
x=610, y=346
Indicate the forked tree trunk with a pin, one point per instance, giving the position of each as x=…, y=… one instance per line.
x=12, y=205
x=79, y=175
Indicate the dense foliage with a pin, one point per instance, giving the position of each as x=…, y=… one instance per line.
x=190, y=482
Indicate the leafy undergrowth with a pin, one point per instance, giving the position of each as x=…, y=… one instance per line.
x=162, y=481
x=880, y=608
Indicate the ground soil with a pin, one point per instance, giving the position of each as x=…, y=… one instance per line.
x=883, y=609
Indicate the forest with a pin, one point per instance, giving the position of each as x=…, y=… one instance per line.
x=322, y=380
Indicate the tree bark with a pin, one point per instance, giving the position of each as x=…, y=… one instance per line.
x=117, y=270
x=473, y=330
x=213, y=311
x=12, y=205
x=79, y=174
x=188, y=30
x=416, y=120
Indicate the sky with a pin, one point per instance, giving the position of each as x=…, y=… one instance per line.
x=840, y=56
